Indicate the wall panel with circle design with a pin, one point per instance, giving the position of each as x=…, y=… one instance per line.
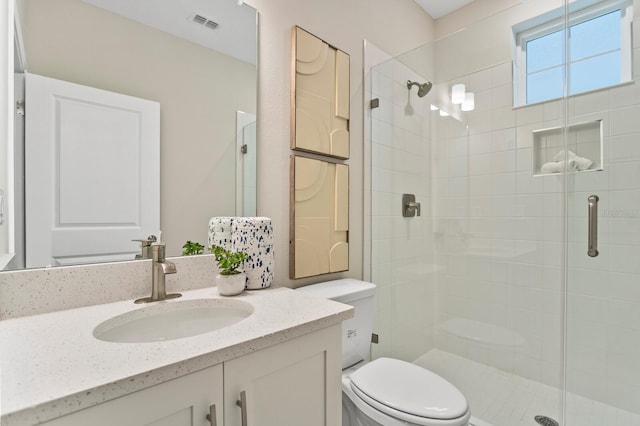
x=320, y=217
x=319, y=96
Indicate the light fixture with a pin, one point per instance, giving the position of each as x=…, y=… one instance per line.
x=240, y=2
x=457, y=93
x=434, y=108
x=443, y=113
x=469, y=102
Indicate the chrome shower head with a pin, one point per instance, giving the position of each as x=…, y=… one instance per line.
x=423, y=88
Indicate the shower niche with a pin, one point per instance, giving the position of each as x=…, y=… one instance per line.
x=584, y=149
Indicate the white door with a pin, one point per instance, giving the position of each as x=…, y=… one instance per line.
x=92, y=173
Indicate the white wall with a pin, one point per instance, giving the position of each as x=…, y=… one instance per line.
x=479, y=35
x=395, y=26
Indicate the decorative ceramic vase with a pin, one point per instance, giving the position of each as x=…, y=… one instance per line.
x=230, y=285
x=254, y=236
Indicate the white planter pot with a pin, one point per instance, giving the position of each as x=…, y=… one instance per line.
x=230, y=285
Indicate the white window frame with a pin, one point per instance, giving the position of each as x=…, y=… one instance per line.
x=554, y=21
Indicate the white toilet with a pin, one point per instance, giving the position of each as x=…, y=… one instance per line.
x=386, y=391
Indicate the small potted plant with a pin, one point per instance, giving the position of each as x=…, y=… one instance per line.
x=190, y=248
x=229, y=281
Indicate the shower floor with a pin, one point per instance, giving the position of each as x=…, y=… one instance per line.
x=498, y=398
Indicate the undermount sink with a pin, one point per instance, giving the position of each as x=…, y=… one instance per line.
x=173, y=320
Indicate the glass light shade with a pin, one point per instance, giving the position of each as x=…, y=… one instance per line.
x=469, y=102
x=457, y=93
x=443, y=113
x=434, y=108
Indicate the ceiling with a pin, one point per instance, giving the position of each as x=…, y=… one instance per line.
x=439, y=8
x=236, y=30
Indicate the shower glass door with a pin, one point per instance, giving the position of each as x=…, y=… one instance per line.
x=473, y=288
x=603, y=266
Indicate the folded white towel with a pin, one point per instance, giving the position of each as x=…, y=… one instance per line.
x=575, y=162
x=552, y=167
x=581, y=163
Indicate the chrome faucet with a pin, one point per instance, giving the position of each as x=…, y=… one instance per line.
x=160, y=268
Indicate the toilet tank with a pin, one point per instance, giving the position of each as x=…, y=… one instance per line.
x=356, y=331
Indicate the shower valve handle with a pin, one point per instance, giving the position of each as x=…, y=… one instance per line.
x=414, y=206
x=409, y=206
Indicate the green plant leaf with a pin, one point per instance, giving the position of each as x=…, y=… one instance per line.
x=228, y=261
x=191, y=248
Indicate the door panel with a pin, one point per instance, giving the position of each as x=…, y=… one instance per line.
x=603, y=287
x=290, y=384
x=92, y=173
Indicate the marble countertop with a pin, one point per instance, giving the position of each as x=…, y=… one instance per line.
x=51, y=364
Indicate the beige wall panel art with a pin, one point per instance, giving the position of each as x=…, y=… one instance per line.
x=319, y=96
x=320, y=217
x=342, y=85
x=341, y=194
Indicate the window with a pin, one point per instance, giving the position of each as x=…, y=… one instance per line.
x=598, y=51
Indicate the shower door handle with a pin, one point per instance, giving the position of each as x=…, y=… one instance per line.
x=592, y=249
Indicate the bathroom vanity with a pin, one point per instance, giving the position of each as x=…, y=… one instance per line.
x=278, y=366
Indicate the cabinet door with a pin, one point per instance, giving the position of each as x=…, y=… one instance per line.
x=184, y=401
x=291, y=384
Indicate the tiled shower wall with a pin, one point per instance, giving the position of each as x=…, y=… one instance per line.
x=499, y=233
x=402, y=254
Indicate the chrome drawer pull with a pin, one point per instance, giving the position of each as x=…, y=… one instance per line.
x=212, y=415
x=242, y=403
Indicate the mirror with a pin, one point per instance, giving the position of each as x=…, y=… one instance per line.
x=196, y=59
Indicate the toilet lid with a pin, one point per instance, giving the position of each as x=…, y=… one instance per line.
x=410, y=389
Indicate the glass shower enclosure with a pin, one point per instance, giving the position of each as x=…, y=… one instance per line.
x=496, y=285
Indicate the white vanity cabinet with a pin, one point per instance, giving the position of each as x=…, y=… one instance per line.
x=291, y=384
x=285, y=358
x=294, y=383
x=184, y=401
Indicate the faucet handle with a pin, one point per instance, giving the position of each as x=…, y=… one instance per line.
x=412, y=205
x=146, y=247
x=146, y=243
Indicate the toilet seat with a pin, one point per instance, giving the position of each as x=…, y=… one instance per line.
x=410, y=393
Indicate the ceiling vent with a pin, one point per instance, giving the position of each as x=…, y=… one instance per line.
x=211, y=24
x=199, y=19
